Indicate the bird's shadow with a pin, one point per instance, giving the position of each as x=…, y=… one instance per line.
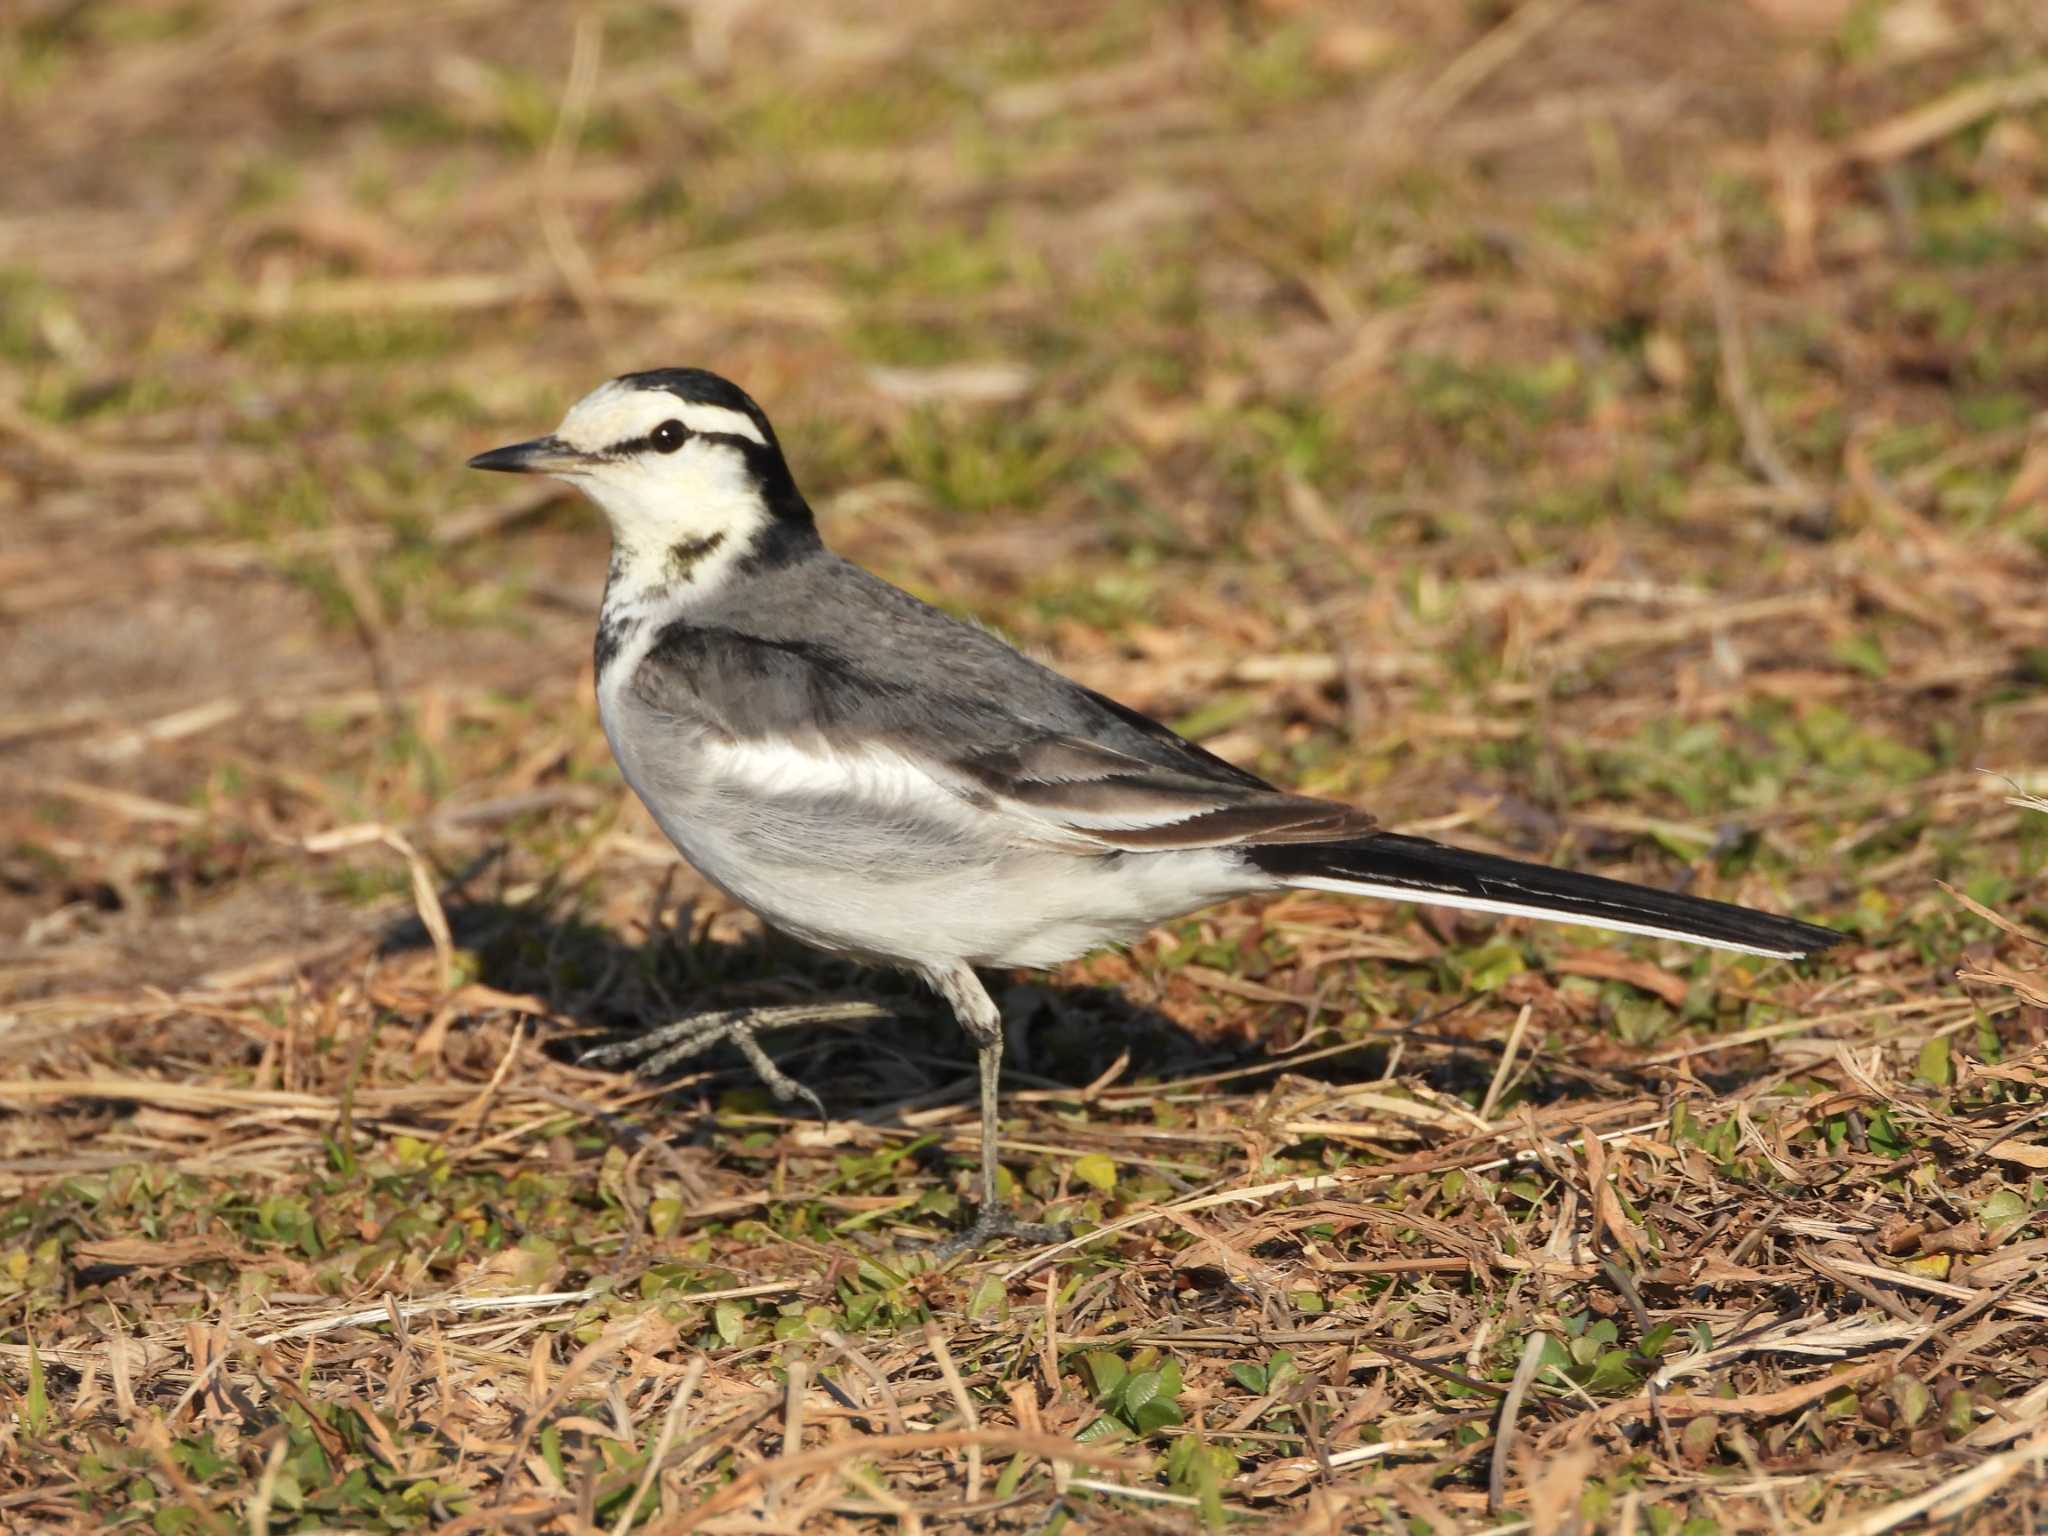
x=1059, y=1035
x=913, y=1055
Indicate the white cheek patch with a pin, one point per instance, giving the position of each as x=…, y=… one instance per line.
x=717, y=419
x=702, y=499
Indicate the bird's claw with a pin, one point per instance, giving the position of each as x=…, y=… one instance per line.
x=656, y=1050
x=995, y=1222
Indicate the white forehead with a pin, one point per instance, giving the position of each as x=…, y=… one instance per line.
x=618, y=412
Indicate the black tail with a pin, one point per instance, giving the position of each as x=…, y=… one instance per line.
x=1416, y=869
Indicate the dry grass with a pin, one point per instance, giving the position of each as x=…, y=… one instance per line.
x=1603, y=430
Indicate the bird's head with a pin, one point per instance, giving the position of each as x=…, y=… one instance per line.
x=686, y=467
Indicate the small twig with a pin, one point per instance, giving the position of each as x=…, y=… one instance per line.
x=366, y=609
x=908, y=1520
x=936, y=1343
x=1143, y=1495
x=496, y=518
x=413, y=1309
x=1486, y=57
x=570, y=258
x=478, y=1107
x=1870, y=1293
x=96, y=462
x=1915, y=129
x=266, y=1487
x=829, y=1456
x=1507, y=1061
x=426, y=899
x=1510, y=1408
x=1758, y=441
x=609, y=1342
x=1049, y=1349
x=1305, y=1184
x=1431, y=1368
x=797, y=1380
x=868, y=1368
x=1951, y=1498
x=1631, y=1297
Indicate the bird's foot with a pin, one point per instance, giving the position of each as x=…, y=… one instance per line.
x=994, y=1223
x=657, y=1050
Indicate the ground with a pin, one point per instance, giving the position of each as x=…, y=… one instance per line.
x=1605, y=430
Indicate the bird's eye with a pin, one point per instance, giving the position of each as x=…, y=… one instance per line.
x=668, y=437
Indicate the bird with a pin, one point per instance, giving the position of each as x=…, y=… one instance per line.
x=884, y=781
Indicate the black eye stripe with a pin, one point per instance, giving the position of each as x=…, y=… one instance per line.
x=625, y=448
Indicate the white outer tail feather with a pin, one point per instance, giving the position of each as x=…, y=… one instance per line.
x=1518, y=909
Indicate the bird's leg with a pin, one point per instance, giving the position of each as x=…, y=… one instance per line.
x=983, y=1021
x=657, y=1050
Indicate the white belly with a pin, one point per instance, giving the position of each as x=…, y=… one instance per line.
x=852, y=858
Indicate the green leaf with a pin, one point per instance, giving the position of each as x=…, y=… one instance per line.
x=1961, y=1414
x=35, y=1408
x=1594, y=1503
x=1865, y=654
x=1911, y=1398
x=1140, y=1390
x=730, y=1319
x=201, y=1459
x=1201, y=1469
x=1487, y=969
x=1612, y=1372
x=1147, y=1398
x=991, y=1299
x=1096, y=1171
x=1155, y=1416
x=1884, y=1134
x=665, y=1217
x=1007, y=1481
x=1934, y=1063
x=1251, y=1377
x=1105, y=1371
x=2001, y=1211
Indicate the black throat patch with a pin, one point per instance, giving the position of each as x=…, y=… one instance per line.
x=687, y=554
x=613, y=631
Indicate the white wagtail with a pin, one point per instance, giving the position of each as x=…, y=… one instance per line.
x=884, y=781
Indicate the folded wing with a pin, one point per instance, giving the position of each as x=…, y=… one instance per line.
x=965, y=720
x=1084, y=793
